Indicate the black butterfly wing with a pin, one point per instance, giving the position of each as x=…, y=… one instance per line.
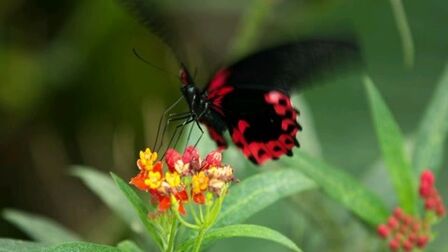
x=292, y=65
x=252, y=95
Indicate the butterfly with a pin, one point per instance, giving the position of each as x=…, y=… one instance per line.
x=251, y=97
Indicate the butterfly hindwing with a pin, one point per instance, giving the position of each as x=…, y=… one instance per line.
x=252, y=95
x=263, y=124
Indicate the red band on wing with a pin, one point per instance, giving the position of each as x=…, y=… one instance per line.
x=260, y=152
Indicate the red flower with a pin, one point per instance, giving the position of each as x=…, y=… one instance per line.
x=171, y=158
x=212, y=159
x=139, y=181
x=190, y=154
x=199, y=198
x=164, y=204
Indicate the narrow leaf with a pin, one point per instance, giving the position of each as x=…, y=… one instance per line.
x=432, y=133
x=40, y=228
x=392, y=147
x=128, y=246
x=404, y=31
x=259, y=191
x=244, y=230
x=104, y=187
x=8, y=245
x=139, y=206
x=341, y=187
x=81, y=246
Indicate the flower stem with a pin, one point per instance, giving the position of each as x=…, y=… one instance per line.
x=199, y=239
x=172, y=236
x=184, y=222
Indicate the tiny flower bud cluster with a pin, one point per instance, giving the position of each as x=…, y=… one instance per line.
x=405, y=232
x=188, y=177
x=428, y=192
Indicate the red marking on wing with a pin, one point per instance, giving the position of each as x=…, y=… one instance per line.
x=260, y=152
x=218, y=80
x=217, y=89
x=217, y=137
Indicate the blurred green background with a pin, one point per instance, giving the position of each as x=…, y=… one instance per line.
x=72, y=92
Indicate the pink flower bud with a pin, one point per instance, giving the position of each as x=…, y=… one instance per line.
x=427, y=177
x=383, y=230
x=392, y=222
x=394, y=244
x=422, y=241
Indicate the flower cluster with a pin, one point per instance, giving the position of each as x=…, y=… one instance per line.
x=188, y=177
x=407, y=232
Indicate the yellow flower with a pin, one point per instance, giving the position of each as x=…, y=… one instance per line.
x=147, y=158
x=172, y=178
x=154, y=180
x=199, y=182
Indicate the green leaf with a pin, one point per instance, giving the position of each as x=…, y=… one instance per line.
x=40, y=228
x=393, y=149
x=81, y=246
x=428, y=152
x=243, y=230
x=341, y=187
x=8, y=245
x=404, y=31
x=103, y=186
x=260, y=191
x=139, y=206
x=128, y=246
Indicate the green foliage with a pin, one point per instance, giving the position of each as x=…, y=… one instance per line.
x=128, y=246
x=8, y=245
x=393, y=149
x=244, y=230
x=140, y=207
x=104, y=187
x=81, y=246
x=260, y=191
x=341, y=187
x=433, y=129
x=40, y=228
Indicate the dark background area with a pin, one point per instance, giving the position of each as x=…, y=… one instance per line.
x=72, y=92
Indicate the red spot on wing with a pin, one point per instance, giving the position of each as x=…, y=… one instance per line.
x=217, y=137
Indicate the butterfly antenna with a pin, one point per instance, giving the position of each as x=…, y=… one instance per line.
x=151, y=64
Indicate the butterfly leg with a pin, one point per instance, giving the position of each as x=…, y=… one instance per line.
x=202, y=133
x=180, y=126
x=189, y=136
x=163, y=116
x=172, y=118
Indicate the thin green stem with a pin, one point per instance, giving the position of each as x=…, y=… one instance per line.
x=171, y=239
x=184, y=222
x=199, y=239
x=201, y=214
x=193, y=212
